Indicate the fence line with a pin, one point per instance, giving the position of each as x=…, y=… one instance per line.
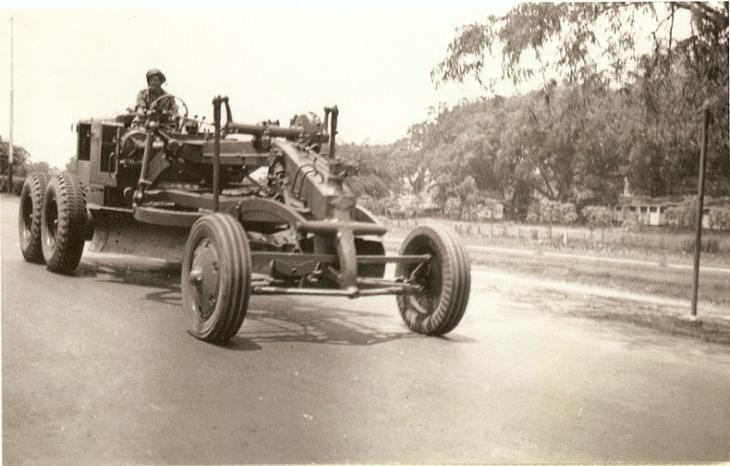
x=577, y=237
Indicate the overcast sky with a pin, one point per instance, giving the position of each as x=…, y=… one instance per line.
x=273, y=60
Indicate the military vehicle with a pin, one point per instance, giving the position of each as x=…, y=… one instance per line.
x=247, y=209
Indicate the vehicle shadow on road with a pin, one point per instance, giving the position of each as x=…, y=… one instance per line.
x=323, y=325
x=274, y=319
x=167, y=282
x=238, y=343
x=281, y=320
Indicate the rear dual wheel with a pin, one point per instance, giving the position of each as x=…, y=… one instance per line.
x=216, y=277
x=29, y=218
x=444, y=281
x=63, y=223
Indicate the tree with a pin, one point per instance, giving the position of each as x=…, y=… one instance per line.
x=467, y=193
x=558, y=42
x=71, y=165
x=407, y=161
x=564, y=146
x=41, y=167
x=372, y=179
x=21, y=160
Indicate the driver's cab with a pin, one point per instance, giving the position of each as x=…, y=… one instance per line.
x=109, y=150
x=96, y=155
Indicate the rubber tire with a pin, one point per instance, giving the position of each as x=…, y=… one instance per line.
x=449, y=256
x=31, y=197
x=371, y=248
x=65, y=194
x=234, y=282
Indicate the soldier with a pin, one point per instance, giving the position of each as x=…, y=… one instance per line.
x=154, y=91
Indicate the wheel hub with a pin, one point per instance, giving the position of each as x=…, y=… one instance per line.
x=204, y=278
x=51, y=224
x=426, y=275
x=27, y=217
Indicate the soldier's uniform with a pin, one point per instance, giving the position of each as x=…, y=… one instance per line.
x=147, y=96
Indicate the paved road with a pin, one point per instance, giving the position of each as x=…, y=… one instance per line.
x=98, y=369
x=394, y=242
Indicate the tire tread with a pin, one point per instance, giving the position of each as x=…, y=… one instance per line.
x=70, y=200
x=455, y=281
x=234, y=288
x=35, y=186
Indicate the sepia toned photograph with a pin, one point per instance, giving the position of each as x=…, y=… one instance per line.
x=387, y=232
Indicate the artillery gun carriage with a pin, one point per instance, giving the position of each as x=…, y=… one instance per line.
x=177, y=188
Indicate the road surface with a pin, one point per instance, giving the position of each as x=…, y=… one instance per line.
x=98, y=369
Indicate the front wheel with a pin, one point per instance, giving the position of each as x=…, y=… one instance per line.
x=444, y=281
x=216, y=277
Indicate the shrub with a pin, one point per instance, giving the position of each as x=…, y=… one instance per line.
x=552, y=212
x=366, y=201
x=485, y=210
x=708, y=245
x=682, y=215
x=379, y=206
x=719, y=219
x=453, y=207
x=631, y=221
x=597, y=216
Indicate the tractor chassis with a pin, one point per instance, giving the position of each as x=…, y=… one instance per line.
x=149, y=230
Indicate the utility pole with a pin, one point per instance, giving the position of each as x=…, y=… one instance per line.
x=10, y=141
x=700, y=206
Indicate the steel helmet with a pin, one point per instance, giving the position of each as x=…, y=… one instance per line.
x=153, y=72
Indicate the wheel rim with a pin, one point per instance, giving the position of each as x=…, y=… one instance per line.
x=204, y=278
x=51, y=223
x=27, y=202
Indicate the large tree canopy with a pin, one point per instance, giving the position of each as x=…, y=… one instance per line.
x=576, y=42
x=616, y=97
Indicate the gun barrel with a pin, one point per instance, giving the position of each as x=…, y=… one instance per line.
x=292, y=132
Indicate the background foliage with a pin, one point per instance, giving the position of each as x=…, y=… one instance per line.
x=604, y=112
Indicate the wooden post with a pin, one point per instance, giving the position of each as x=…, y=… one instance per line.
x=216, y=151
x=700, y=208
